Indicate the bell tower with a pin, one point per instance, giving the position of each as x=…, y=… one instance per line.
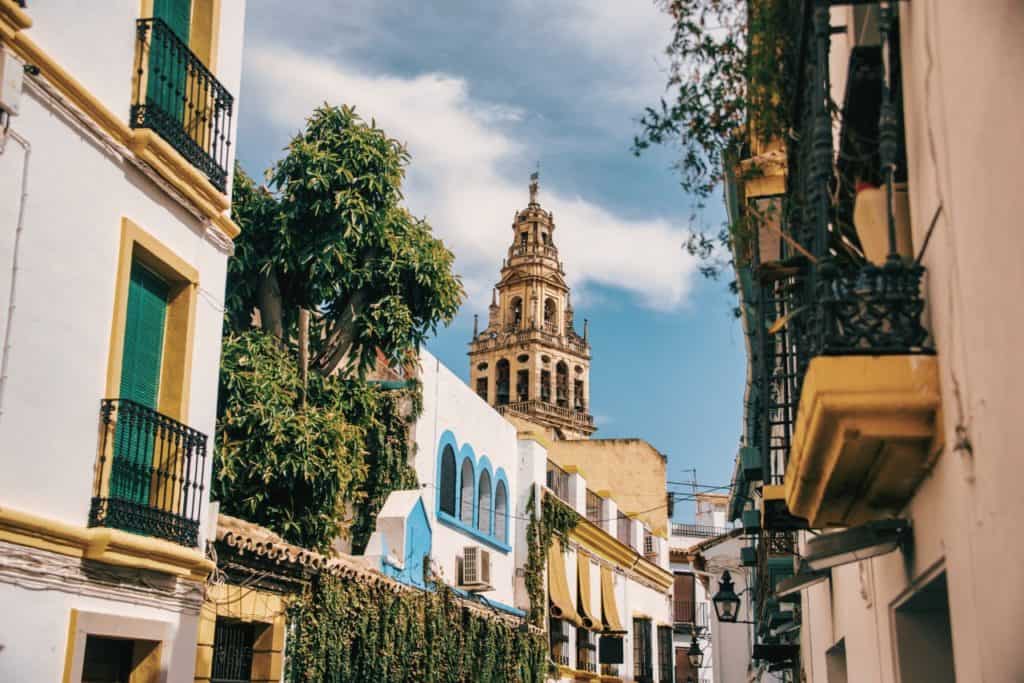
x=529, y=361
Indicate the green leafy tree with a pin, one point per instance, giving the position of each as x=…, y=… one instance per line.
x=291, y=467
x=329, y=236
x=338, y=272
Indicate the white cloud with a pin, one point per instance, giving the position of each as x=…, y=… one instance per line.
x=626, y=39
x=457, y=146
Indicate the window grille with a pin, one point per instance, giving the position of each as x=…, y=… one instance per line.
x=232, y=652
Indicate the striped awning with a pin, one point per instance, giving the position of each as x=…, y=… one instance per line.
x=609, y=610
x=558, y=586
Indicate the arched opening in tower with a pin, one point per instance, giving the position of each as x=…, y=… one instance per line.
x=550, y=315
x=516, y=312
x=523, y=385
x=545, y=386
x=502, y=381
x=562, y=384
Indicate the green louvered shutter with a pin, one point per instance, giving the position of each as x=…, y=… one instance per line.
x=134, y=437
x=168, y=73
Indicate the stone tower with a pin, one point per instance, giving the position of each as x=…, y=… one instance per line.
x=529, y=362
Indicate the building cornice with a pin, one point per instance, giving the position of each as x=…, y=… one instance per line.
x=12, y=19
x=603, y=545
x=44, y=570
x=108, y=546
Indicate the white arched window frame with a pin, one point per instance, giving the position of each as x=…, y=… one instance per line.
x=483, y=507
x=501, y=512
x=466, y=493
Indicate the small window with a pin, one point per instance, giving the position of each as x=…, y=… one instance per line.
x=501, y=513
x=483, y=508
x=481, y=387
x=448, y=480
x=466, y=495
x=523, y=237
x=665, y=654
x=544, y=237
x=643, y=666
x=232, y=652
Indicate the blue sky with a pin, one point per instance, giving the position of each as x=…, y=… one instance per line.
x=481, y=92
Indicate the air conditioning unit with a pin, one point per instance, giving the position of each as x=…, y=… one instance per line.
x=475, y=570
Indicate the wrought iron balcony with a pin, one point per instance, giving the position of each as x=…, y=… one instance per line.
x=697, y=530
x=149, y=473
x=176, y=96
x=826, y=311
x=558, y=481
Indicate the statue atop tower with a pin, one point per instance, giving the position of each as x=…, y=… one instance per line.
x=529, y=361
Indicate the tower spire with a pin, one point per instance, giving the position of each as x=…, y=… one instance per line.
x=530, y=361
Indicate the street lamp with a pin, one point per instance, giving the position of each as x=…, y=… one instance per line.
x=694, y=654
x=727, y=603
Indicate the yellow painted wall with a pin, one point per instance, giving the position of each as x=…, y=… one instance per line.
x=632, y=470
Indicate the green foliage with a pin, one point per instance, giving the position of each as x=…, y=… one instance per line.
x=556, y=517
x=330, y=236
x=730, y=81
x=307, y=471
x=351, y=630
x=727, y=81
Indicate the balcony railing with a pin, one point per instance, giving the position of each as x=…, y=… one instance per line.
x=816, y=293
x=149, y=473
x=558, y=481
x=177, y=97
x=623, y=528
x=542, y=408
x=594, y=507
x=697, y=530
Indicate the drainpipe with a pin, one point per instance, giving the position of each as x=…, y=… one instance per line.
x=11, y=301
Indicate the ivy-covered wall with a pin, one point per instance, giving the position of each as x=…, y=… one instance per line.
x=346, y=629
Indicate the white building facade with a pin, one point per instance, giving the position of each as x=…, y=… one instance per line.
x=115, y=177
x=472, y=494
x=609, y=588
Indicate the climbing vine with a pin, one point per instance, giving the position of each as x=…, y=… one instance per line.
x=351, y=630
x=555, y=517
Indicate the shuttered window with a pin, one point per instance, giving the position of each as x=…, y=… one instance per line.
x=141, y=363
x=143, y=337
x=167, y=82
x=683, y=599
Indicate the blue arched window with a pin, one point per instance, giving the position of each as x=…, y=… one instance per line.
x=501, y=512
x=466, y=494
x=448, y=480
x=483, y=508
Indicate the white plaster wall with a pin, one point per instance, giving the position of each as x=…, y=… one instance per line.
x=78, y=194
x=532, y=468
x=448, y=404
x=35, y=642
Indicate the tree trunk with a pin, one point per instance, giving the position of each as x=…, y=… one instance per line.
x=304, y=351
x=268, y=296
x=338, y=345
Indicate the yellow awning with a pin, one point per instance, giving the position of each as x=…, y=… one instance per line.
x=609, y=609
x=558, y=585
x=586, y=608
